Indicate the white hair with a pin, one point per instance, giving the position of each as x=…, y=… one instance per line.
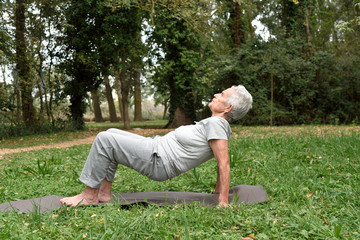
x=241, y=101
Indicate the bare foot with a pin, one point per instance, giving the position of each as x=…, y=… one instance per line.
x=105, y=191
x=104, y=198
x=88, y=196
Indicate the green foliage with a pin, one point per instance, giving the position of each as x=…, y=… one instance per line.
x=6, y=99
x=313, y=82
x=306, y=89
x=195, y=54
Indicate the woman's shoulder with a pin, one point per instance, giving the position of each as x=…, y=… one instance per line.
x=215, y=120
x=216, y=128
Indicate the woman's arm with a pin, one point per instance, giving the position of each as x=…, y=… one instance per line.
x=221, y=153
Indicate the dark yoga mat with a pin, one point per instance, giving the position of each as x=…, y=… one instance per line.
x=241, y=194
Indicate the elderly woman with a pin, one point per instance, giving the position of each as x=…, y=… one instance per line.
x=168, y=156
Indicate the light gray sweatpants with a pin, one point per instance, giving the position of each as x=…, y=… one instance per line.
x=114, y=147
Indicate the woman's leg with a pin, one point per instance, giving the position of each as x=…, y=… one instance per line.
x=97, y=168
x=125, y=133
x=108, y=150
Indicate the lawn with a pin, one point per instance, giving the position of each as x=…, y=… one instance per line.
x=311, y=174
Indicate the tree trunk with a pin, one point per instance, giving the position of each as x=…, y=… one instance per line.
x=96, y=106
x=307, y=31
x=236, y=25
x=90, y=103
x=39, y=81
x=50, y=105
x=180, y=119
x=166, y=106
x=251, y=27
x=18, y=100
x=3, y=71
x=46, y=91
x=308, y=34
x=118, y=92
x=49, y=86
x=76, y=115
x=22, y=64
x=125, y=96
x=182, y=109
x=137, y=83
x=110, y=100
x=39, y=85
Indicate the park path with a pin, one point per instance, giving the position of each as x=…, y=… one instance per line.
x=87, y=140
x=65, y=144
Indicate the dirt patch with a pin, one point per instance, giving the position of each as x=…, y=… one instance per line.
x=88, y=140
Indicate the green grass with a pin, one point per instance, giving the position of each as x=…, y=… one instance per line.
x=312, y=179
x=92, y=128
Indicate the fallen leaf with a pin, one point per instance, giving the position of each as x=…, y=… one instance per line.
x=251, y=236
x=309, y=194
x=275, y=180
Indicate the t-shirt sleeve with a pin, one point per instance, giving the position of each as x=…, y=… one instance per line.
x=217, y=128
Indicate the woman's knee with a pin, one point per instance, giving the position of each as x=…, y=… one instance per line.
x=112, y=130
x=103, y=136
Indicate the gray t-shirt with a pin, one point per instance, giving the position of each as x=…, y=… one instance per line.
x=187, y=146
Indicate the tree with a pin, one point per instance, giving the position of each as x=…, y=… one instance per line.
x=236, y=22
x=22, y=64
x=137, y=96
x=124, y=89
x=176, y=70
x=110, y=100
x=96, y=106
x=82, y=59
x=120, y=48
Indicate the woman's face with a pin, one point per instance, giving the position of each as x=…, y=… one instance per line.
x=218, y=103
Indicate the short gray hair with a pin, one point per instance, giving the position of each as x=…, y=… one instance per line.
x=241, y=101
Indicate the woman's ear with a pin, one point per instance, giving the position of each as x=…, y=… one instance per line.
x=228, y=108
